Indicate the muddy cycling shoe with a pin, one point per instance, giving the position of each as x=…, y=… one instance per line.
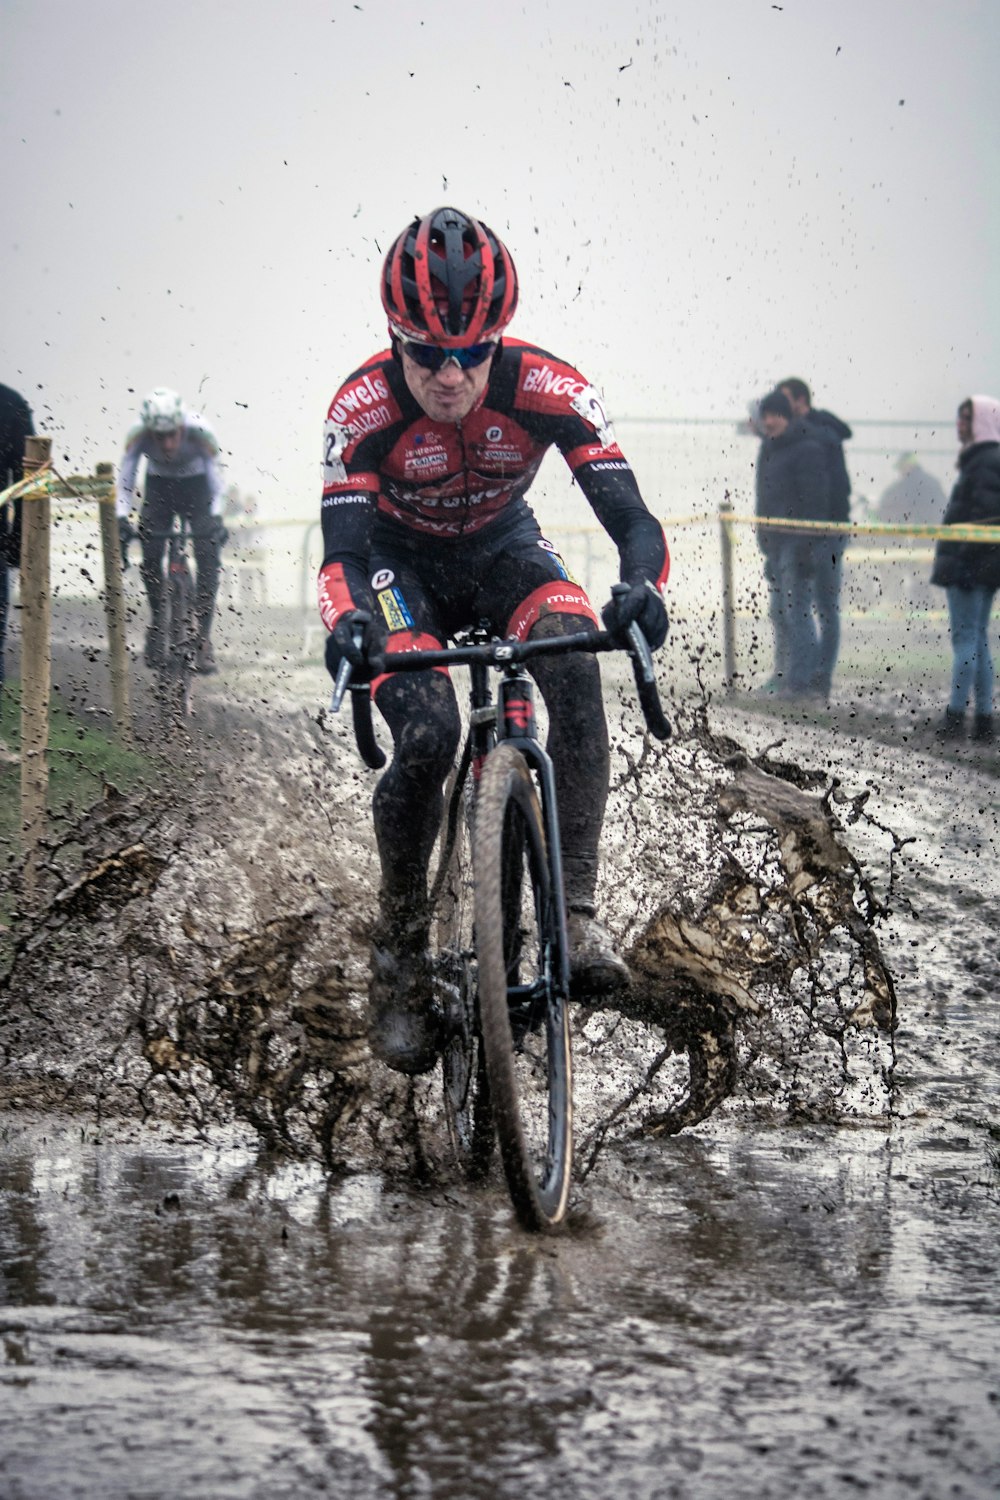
x=404, y=1024
x=204, y=657
x=595, y=967
x=152, y=651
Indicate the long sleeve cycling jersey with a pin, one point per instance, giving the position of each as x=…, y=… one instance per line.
x=389, y=469
x=198, y=453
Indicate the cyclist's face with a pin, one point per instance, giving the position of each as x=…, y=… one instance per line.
x=448, y=394
x=169, y=442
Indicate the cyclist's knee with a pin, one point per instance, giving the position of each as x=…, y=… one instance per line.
x=570, y=684
x=425, y=724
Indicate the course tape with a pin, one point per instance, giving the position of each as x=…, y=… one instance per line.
x=871, y=528
x=47, y=482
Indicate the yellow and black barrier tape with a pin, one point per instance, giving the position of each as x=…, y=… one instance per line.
x=48, y=483
x=957, y=533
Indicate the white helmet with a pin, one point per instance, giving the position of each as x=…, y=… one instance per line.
x=162, y=411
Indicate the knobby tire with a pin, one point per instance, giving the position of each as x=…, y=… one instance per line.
x=176, y=623
x=517, y=936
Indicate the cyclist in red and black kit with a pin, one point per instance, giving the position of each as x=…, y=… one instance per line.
x=430, y=448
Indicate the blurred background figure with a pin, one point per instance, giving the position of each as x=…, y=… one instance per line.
x=915, y=497
x=792, y=485
x=828, y=553
x=245, y=577
x=969, y=572
x=751, y=426
x=16, y=424
x=183, y=478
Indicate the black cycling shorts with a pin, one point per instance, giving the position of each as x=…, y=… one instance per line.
x=506, y=578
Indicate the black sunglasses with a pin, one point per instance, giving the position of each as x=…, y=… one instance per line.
x=430, y=357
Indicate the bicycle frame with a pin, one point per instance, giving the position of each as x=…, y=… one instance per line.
x=519, y=1029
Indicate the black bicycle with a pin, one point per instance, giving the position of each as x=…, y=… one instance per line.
x=499, y=931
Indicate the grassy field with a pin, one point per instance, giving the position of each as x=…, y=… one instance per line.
x=82, y=758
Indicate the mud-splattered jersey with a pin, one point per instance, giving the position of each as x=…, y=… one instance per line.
x=198, y=453
x=389, y=469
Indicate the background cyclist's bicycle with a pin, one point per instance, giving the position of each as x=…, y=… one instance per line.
x=172, y=637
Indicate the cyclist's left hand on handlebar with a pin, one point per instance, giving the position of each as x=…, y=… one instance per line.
x=126, y=533
x=365, y=657
x=643, y=603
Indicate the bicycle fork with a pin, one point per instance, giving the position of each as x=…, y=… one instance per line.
x=517, y=724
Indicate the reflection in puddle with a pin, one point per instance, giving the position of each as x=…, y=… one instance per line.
x=735, y=1312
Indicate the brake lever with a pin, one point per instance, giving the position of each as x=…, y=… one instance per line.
x=645, y=683
x=340, y=685
x=342, y=680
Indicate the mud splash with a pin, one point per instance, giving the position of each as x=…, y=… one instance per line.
x=202, y=955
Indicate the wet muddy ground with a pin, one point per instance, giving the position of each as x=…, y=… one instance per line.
x=797, y=1295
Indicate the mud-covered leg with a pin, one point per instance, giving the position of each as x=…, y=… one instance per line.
x=422, y=715
x=578, y=745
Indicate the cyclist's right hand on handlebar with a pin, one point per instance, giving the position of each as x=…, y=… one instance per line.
x=366, y=655
x=642, y=603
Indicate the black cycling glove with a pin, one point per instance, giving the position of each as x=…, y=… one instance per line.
x=644, y=604
x=365, y=656
x=126, y=533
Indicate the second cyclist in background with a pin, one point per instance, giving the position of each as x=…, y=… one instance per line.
x=183, y=478
x=431, y=446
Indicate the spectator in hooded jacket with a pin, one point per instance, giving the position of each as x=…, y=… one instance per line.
x=828, y=551
x=969, y=572
x=792, y=485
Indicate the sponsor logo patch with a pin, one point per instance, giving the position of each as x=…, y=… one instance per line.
x=383, y=578
x=393, y=607
x=367, y=392
x=542, y=378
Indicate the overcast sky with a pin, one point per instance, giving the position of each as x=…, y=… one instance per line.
x=700, y=196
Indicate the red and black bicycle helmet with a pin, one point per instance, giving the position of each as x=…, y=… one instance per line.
x=448, y=280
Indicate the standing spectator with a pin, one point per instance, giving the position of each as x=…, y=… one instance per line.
x=915, y=498
x=828, y=551
x=16, y=424
x=792, y=484
x=969, y=572
x=183, y=478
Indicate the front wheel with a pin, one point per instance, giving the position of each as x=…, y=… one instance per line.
x=523, y=1008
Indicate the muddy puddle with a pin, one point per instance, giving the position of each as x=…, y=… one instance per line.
x=221, y=1277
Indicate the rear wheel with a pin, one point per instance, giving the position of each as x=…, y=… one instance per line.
x=178, y=636
x=523, y=1010
x=463, y=1067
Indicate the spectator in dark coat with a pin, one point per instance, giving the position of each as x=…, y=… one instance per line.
x=828, y=551
x=969, y=572
x=792, y=484
x=15, y=425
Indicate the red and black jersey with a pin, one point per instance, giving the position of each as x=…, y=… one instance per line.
x=390, y=470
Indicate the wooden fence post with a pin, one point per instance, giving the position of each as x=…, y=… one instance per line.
x=36, y=661
x=728, y=595
x=114, y=608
